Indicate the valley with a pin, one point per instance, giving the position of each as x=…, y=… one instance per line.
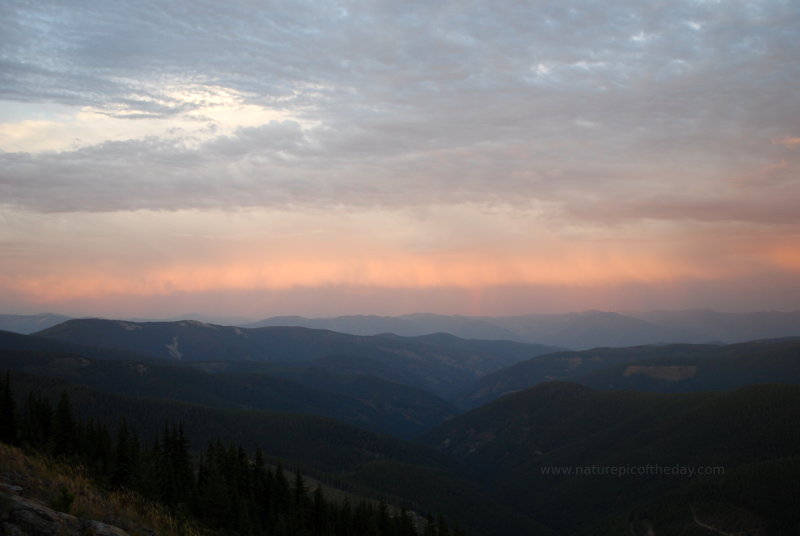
x=499, y=437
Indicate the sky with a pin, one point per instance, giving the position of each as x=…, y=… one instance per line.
x=255, y=158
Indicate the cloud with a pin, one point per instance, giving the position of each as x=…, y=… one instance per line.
x=282, y=164
x=789, y=143
x=581, y=121
x=354, y=61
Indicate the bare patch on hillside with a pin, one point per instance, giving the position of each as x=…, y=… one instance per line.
x=670, y=373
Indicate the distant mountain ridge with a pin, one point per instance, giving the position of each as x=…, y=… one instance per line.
x=440, y=364
x=728, y=327
x=577, y=331
x=406, y=325
x=26, y=324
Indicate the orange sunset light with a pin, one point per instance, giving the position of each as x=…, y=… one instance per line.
x=390, y=271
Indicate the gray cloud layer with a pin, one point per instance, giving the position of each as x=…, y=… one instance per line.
x=608, y=110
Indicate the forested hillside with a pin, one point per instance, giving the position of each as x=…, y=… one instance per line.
x=366, y=401
x=582, y=460
x=726, y=367
x=439, y=365
x=326, y=449
x=223, y=487
x=662, y=368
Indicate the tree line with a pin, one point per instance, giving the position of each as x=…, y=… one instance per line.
x=222, y=487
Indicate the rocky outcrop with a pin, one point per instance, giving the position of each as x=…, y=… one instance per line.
x=20, y=516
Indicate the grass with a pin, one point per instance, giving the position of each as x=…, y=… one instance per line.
x=68, y=488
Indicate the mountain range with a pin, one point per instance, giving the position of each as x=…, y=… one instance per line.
x=344, y=456
x=504, y=437
x=576, y=331
x=366, y=401
x=439, y=364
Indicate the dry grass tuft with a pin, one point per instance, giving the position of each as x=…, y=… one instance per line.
x=58, y=484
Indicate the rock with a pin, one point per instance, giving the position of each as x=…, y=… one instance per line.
x=26, y=517
x=97, y=528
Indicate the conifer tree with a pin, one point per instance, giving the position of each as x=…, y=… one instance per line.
x=281, y=488
x=319, y=511
x=430, y=528
x=227, y=491
x=262, y=489
x=150, y=475
x=384, y=521
x=179, y=467
x=122, y=464
x=8, y=421
x=64, y=428
x=96, y=448
x=405, y=525
x=37, y=422
x=344, y=519
x=441, y=526
x=299, y=490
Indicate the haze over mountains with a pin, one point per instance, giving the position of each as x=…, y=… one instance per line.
x=30, y=323
x=580, y=330
x=577, y=331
